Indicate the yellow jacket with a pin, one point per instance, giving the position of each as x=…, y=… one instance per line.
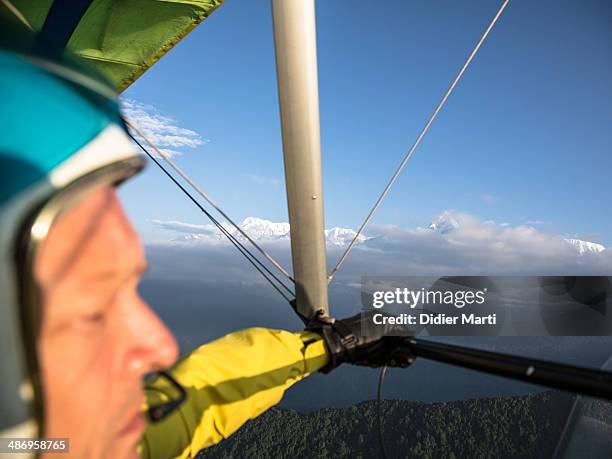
x=228, y=382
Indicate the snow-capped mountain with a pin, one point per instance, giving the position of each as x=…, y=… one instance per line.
x=258, y=229
x=266, y=231
x=585, y=246
x=342, y=236
x=263, y=230
x=445, y=223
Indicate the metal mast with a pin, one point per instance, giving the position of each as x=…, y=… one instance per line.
x=296, y=69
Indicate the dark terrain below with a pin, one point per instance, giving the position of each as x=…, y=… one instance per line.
x=502, y=427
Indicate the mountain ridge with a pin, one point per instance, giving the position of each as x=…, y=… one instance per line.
x=446, y=224
x=266, y=231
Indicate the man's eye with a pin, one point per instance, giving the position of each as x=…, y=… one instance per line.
x=90, y=320
x=95, y=317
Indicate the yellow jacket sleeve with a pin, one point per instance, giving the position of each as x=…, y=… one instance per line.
x=228, y=382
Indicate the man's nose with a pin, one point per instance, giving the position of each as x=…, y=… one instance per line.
x=151, y=346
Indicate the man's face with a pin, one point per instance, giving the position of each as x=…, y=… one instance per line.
x=98, y=337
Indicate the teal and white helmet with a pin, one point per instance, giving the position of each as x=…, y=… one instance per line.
x=61, y=137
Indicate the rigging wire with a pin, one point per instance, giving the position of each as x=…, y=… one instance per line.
x=208, y=199
x=241, y=248
x=248, y=255
x=381, y=441
x=416, y=143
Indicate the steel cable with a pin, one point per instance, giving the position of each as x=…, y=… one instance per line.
x=243, y=250
x=208, y=199
x=415, y=144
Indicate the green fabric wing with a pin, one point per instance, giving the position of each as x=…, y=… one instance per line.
x=124, y=38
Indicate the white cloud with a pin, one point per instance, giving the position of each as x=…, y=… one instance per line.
x=477, y=248
x=473, y=248
x=535, y=222
x=182, y=227
x=160, y=129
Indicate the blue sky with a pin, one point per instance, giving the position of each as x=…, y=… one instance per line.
x=526, y=136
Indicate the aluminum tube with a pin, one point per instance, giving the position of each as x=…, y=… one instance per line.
x=296, y=68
